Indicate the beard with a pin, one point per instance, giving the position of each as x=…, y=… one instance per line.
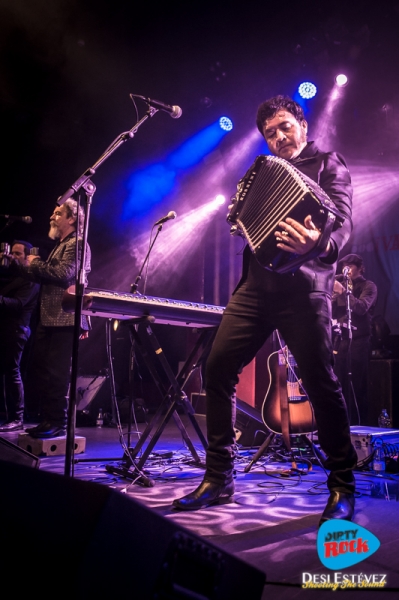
x=54, y=232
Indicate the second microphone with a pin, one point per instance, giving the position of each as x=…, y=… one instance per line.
x=171, y=215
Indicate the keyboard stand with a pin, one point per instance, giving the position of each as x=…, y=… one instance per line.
x=173, y=396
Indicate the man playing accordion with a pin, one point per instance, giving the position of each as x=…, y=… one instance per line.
x=298, y=304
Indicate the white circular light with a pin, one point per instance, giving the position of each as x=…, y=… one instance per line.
x=220, y=199
x=307, y=90
x=341, y=80
x=225, y=123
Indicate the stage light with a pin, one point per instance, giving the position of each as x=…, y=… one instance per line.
x=341, y=80
x=307, y=90
x=214, y=205
x=150, y=185
x=225, y=123
x=189, y=231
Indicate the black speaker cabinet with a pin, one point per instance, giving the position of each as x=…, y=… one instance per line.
x=383, y=391
x=14, y=454
x=250, y=428
x=85, y=540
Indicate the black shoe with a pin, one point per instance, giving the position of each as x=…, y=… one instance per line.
x=206, y=494
x=11, y=426
x=43, y=426
x=46, y=430
x=340, y=505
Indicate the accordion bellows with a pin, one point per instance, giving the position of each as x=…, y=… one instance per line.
x=271, y=191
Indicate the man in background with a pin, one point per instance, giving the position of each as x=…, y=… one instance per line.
x=52, y=351
x=352, y=355
x=18, y=300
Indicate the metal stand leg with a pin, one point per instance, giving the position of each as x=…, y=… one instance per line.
x=173, y=397
x=260, y=452
x=318, y=453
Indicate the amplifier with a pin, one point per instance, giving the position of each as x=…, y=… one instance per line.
x=383, y=390
x=364, y=439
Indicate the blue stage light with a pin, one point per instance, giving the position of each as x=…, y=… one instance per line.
x=225, y=123
x=150, y=185
x=307, y=90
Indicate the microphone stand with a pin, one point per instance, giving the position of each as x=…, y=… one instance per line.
x=348, y=309
x=9, y=222
x=135, y=285
x=89, y=188
x=348, y=293
x=133, y=290
x=84, y=181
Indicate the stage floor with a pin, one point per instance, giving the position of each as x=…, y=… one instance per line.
x=272, y=522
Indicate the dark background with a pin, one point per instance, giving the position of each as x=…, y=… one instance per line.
x=67, y=68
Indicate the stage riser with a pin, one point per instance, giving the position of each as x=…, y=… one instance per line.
x=49, y=447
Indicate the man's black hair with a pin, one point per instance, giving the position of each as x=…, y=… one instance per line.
x=353, y=259
x=268, y=109
x=27, y=246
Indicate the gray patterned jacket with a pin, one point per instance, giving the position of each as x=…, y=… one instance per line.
x=56, y=274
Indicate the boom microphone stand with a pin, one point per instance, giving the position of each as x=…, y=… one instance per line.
x=84, y=181
x=131, y=323
x=135, y=285
x=348, y=325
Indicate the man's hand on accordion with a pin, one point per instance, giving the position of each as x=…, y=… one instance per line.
x=297, y=238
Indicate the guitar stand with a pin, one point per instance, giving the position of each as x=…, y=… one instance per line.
x=270, y=438
x=281, y=391
x=173, y=397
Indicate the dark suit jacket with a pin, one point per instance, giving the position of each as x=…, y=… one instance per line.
x=56, y=274
x=18, y=299
x=362, y=302
x=329, y=170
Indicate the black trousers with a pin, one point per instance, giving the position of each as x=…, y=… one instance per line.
x=304, y=321
x=52, y=359
x=12, y=343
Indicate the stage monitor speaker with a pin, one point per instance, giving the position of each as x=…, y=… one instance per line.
x=383, y=391
x=12, y=453
x=87, y=387
x=250, y=428
x=100, y=543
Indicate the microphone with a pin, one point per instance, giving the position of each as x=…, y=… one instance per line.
x=345, y=271
x=170, y=215
x=174, y=111
x=17, y=218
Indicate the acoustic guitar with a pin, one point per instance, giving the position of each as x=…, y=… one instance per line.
x=285, y=389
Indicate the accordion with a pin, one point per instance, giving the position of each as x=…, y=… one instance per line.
x=271, y=191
